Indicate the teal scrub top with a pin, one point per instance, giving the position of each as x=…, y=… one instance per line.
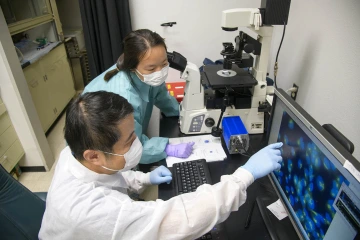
x=142, y=97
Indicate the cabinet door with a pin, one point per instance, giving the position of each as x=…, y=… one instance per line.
x=49, y=68
x=64, y=84
x=60, y=83
x=12, y=156
x=19, y=10
x=37, y=84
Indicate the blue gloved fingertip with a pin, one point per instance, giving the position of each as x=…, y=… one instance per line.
x=276, y=145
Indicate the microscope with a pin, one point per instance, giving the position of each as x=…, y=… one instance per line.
x=238, y=86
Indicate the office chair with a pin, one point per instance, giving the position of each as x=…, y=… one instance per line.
x=21, y=210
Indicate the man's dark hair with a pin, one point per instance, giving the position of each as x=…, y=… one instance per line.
x=92, y=120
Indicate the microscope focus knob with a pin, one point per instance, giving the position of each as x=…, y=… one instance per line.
x=209, y=122
x=248, y=48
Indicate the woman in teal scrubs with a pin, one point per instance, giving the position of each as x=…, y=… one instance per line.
x=139, y=76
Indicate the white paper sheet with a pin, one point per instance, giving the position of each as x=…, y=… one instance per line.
x=277, y=208
x=205, y=147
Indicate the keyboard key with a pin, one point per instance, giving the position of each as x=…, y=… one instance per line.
x=190, y=175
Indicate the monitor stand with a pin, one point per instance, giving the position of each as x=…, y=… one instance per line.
x=278, y=230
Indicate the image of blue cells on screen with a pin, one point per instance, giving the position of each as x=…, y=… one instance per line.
x=308, y=178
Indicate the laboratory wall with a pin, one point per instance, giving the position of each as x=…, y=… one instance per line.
x=321, y=54
x=69, y=12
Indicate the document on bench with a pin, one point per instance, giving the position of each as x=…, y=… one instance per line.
x=206, y=147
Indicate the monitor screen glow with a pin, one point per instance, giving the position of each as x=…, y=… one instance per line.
x=319, y=194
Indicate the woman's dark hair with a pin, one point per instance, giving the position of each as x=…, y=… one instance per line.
x=136, y=44
x=92, y=121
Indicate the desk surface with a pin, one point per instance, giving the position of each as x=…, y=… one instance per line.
x=260, y=188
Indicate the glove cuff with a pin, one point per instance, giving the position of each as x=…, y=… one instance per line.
x=249, y=170
x=169, y=149
x=245, y=175
x=146, y=179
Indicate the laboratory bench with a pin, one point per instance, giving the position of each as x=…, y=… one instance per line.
x=262, y=189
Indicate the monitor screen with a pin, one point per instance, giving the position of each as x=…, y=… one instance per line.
x=320, y=195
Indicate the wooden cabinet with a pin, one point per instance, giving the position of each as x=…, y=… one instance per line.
x=39, y=91
x=11, y=150
x=22, y=15
x=51, y=85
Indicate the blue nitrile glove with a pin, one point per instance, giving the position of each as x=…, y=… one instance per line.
x=160, y=175
x=265, y=161
x=182, y=150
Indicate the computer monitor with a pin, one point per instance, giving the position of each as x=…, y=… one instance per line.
x=318, y=191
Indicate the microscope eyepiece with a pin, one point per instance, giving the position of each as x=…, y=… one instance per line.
x=229, y=29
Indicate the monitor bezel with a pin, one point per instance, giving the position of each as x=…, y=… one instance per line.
x=332, y=145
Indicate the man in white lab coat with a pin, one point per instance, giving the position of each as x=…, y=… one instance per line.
x=88, y=197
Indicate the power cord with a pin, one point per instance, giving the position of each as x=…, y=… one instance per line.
x=277, y=55
x=292, y=90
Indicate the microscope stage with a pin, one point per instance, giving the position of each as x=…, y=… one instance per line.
x=212, y=79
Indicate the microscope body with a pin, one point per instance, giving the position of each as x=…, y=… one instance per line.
x=194, y=117
x=199, y=112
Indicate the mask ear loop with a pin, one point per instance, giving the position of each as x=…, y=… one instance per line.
x=137, y=73
x=113, y=170
x=114, y=154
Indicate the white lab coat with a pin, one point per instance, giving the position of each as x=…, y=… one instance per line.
x=82, y=204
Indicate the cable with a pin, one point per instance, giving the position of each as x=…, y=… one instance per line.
x=277, y=55
x=292, y=90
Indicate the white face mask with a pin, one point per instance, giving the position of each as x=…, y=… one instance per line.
x=132, y=157
x=156, y=78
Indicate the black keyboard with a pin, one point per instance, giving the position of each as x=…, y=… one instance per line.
x=188, y=176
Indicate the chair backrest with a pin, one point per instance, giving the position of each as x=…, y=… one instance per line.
x=21, y=211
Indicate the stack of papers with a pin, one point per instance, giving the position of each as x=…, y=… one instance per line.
x=206, y=147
